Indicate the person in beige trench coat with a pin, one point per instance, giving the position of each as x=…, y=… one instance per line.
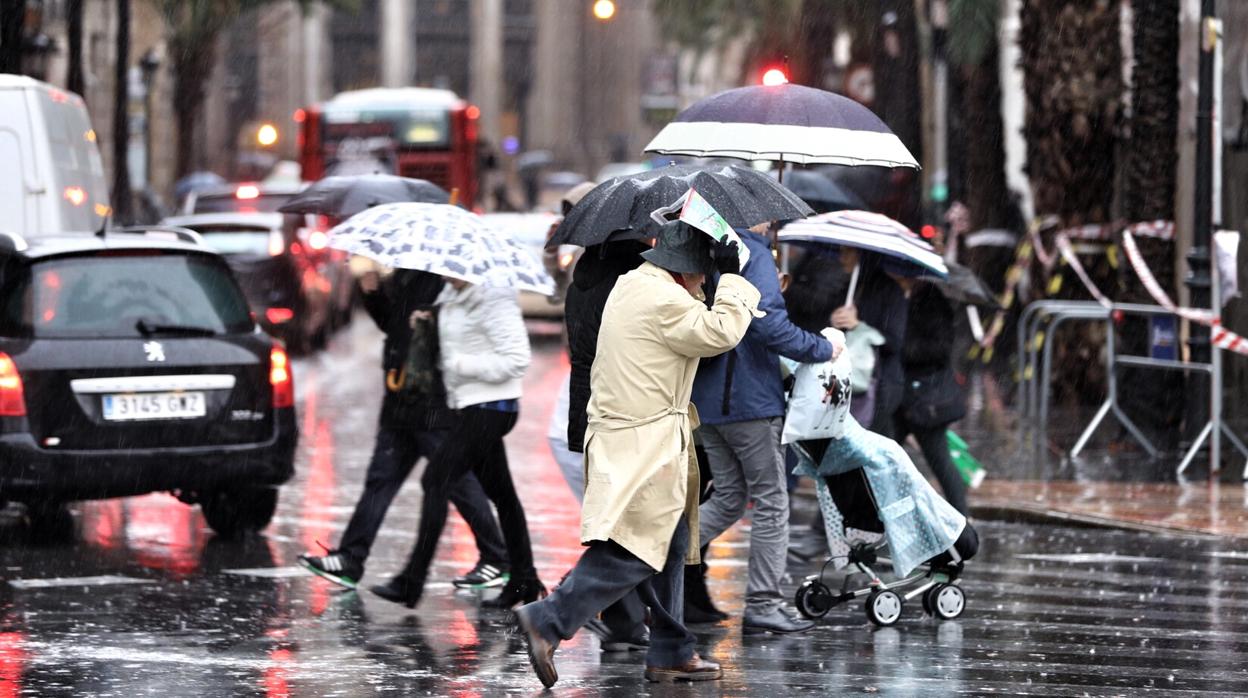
x=641, y=478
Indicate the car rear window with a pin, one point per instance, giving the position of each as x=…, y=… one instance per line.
x=241, y=239
x=107, y=295
x=230, y=203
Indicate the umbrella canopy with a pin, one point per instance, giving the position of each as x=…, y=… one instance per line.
x=821, y=191
x=866, y=231
x=444, y=240
x=345, y=196
x=790, y=123
x=619, y=208
x=963, y=286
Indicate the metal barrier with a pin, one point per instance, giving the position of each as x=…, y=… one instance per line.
x=1114, y=360
x=1035, y=366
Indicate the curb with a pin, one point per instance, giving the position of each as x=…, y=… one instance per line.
x=1019, y=513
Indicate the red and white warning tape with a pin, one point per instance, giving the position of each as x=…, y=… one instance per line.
x=1219, y=335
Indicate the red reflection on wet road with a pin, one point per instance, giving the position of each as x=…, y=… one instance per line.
x=318, y=492
x=275, y=677
x=12, y=663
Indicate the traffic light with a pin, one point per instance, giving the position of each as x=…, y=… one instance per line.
x=775, y=76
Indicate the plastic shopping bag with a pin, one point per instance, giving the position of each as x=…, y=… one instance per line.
x=819, y=401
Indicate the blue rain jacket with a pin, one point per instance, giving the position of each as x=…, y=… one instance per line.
x=749, y=386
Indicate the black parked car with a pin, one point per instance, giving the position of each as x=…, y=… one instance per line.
x=130, y=363
x=299, y=288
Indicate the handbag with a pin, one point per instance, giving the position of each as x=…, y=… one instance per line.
x=933, y=400
x=820, y=399
x=419, y=378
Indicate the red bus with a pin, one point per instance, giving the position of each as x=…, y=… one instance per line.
x=409, y=131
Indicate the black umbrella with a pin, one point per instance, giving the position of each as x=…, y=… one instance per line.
x=821, y=192
x=964, y=286
x=620, y=208
x=343, y=196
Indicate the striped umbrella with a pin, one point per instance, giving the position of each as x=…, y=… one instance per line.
x=864, y=230
x=785, y=123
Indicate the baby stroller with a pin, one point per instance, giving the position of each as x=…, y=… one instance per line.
x=867, y=482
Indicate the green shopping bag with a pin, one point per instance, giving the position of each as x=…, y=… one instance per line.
x=972, y=470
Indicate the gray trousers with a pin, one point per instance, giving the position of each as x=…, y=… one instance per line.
x=607, y=572
x=747, y=464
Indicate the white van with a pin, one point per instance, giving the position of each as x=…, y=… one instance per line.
x=51, y=177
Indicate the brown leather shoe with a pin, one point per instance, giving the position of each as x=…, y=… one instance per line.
x=541, y=650
x=696, y=669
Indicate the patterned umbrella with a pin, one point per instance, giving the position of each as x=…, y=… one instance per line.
x=866, y=231
x=444, y=240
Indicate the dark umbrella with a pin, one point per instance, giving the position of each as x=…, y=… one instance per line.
x=785, y=123
x=620, y=208
x=964, y=286
x=343, y=196
x=821, y=192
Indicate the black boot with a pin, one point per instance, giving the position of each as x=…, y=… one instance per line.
x=403, y=589
x=699, y=608
x=519, y=590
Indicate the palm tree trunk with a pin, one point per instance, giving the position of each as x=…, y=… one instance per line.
x=1152, y=399
x=121, y=117
x=74, y=79
x=1072, y=77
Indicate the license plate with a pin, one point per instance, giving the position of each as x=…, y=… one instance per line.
x=138, y=406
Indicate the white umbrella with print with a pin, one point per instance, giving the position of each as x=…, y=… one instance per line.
x=441, y=239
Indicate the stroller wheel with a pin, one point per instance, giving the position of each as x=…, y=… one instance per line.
x=883, y=607
x=929, y=599
x=814, y=599
x=947, y=601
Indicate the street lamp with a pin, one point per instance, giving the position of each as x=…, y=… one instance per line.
x=604, y=10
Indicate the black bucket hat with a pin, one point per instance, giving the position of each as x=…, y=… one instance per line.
x=681, y=249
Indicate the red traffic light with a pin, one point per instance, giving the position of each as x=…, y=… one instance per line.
x=775, y=76
x=928, y=232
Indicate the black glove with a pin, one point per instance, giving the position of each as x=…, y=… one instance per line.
x=725, y=256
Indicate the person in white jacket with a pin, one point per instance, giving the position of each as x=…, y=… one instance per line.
x=484, y=354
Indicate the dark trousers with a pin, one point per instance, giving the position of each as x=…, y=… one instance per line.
x=473, y=444
x=935, y=446
x=394, y=455
x=606, y=573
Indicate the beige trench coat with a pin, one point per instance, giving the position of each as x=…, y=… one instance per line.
x=641, y=475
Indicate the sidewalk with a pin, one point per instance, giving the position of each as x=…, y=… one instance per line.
x=1108, y=485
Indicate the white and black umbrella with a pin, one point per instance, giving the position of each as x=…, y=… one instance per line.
x=864, y=230
x=441, y=239
x=784, y=123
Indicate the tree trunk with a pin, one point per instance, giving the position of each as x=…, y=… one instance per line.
x=898, y=99
x=74, y=80
x=121, y=117
x=987, y=194
x=1072, y=77
x=192, y=66
x=12, y=20
x=1152, y=399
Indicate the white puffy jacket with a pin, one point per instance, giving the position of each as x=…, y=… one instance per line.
x=485, y=346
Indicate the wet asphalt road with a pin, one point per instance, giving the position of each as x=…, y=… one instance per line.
x=136, y=597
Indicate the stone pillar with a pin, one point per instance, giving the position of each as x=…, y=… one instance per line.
x=397, y=47
x=485, y=71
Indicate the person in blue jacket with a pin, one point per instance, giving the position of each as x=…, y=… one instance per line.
x=740, y=401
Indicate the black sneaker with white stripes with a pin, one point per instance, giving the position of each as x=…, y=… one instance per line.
x=336, y=566
x=483, y=576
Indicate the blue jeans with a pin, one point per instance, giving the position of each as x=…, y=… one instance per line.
x=607, y=572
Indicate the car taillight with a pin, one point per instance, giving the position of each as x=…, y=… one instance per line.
x=278, y=315
x=12, y=398
x=279, y=377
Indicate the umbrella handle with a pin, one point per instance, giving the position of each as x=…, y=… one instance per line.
x=454, y=200
x=395, y=379
x=853, y=285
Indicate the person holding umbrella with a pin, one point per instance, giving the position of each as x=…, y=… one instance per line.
x=483, y=354
x=640, y=513
x=740, y=400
